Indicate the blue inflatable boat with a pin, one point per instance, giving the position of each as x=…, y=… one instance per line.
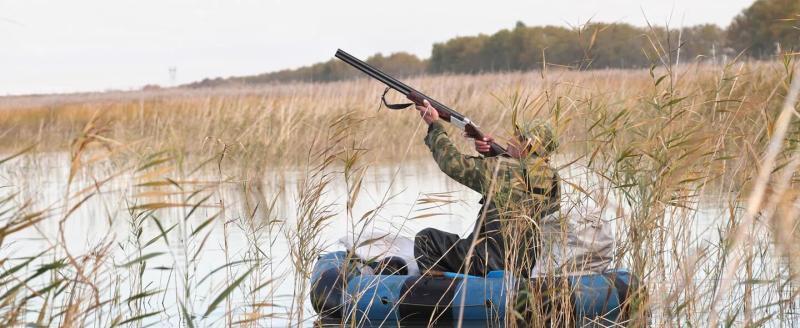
x=344, y=294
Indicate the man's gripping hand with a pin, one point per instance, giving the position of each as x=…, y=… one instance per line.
x=484, y=146
x=428, y=113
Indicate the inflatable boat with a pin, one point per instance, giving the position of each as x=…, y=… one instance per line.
x=340, y=291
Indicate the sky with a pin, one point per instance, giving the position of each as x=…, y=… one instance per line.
x=95, y=45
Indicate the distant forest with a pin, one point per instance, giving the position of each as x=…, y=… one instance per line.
x=764, y=30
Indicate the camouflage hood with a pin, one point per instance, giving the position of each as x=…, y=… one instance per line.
x=540, y=135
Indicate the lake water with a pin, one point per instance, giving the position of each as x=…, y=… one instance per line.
x=241, y=235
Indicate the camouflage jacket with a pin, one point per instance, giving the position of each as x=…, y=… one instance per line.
x=517, y=187
x=562, y=236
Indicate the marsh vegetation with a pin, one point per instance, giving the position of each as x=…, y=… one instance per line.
x=209, y=206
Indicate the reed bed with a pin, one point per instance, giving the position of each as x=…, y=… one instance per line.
x=271, y=125
x=661, y=145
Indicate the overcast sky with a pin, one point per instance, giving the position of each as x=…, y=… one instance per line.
x=86, y=45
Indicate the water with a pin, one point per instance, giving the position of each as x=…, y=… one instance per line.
x=105, y=219
x=241, y=234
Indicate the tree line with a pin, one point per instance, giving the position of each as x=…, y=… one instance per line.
x=761, y=31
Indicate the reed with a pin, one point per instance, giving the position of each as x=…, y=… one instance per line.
x=657, y=147
x=272, y=125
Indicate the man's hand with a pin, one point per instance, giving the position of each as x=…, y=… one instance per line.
x=428, y=113
x=483, y=146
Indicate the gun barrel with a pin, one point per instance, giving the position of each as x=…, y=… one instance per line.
x=373, y=72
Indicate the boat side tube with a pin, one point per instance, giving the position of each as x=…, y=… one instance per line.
x=338, y=292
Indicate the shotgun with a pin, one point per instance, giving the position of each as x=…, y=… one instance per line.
x=459, y=120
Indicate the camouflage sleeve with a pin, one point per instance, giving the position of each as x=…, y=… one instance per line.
x=467, y=170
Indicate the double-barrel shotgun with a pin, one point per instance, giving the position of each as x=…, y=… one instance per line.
x=459, y=120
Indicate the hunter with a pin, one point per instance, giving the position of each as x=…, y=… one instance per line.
x=518, y=189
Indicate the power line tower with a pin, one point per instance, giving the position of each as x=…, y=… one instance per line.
x=173, y=75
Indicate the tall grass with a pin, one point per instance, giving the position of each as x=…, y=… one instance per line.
x=660, y=147
x=273, y=125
